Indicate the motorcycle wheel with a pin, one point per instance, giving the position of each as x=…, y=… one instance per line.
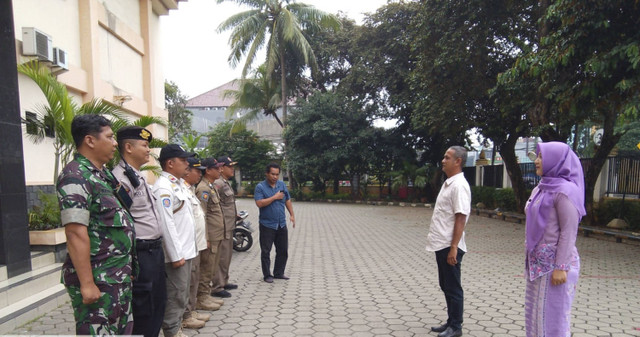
x=242, y=240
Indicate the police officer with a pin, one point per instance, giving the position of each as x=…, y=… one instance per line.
x=179, y=239
x=210, y=201
x=149, y=288
x=228, y=204
x=100, y=237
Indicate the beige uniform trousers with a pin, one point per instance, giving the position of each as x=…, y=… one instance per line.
x=209, y=261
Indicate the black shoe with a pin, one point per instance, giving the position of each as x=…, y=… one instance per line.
x=230, y=286
x=449, y=332
x=268, y=279
x=282, y=277
x=222, y=294
x=441, y=328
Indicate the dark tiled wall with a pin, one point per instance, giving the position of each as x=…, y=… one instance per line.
x=32, y=194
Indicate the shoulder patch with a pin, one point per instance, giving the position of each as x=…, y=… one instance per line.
x=205, y=196
x=166, y=202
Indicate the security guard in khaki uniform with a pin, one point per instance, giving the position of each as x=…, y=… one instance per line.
x=210, y=201
x=149, y=288
x=228, y=204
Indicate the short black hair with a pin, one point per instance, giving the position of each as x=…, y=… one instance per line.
x=84, y=125
x=272, y=165
x=121, y=144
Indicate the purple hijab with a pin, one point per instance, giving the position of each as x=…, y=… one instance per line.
x=561, y=173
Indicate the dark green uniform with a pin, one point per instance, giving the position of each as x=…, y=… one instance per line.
x=87, y=196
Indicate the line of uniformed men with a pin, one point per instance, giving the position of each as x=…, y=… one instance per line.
x=143, y=258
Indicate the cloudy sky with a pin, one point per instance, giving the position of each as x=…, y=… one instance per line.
x=195, y=56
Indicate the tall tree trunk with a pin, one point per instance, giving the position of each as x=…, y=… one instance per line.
x=355, y=185
x=609, y=141
x=539, y=113
x=336, y=186
x=283, y=88
x=508, y=152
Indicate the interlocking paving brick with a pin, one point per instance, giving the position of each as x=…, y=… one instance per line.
x=361, y=270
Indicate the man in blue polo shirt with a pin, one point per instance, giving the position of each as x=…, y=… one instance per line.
x=271, y=196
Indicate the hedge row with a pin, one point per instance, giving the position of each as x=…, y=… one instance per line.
x=609, y=209
x=492, y=198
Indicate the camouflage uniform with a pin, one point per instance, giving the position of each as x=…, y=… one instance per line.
x=87, y=196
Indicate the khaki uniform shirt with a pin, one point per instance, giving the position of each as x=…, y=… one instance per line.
x=210, y=202
x=228, y=205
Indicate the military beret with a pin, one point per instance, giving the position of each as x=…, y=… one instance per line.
x=134, y=132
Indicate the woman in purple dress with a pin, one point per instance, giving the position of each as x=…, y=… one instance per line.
x=552, y=263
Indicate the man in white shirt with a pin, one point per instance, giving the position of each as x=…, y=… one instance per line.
x=176, y=213
x=446, y=237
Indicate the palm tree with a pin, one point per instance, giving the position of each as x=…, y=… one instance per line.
x=60, y=110
x=253, y=96
x=283, y=21
x=58, y=113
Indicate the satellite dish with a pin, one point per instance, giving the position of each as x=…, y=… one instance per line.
x=597, y=137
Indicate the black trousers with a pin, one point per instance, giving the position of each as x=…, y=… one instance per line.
x=149, y=289
x=280, y=238
x=449, y=278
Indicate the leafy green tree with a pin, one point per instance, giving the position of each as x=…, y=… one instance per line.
x=59, y=112
x=190, y=143
x=252, y=153
x=588, y=67
x=460, y=50
x=330, y=138
x=179, y=117
x=279, y=24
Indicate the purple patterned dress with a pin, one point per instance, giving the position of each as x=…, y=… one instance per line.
x=548, y=307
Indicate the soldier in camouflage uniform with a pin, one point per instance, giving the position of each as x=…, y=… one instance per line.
x=100, y=238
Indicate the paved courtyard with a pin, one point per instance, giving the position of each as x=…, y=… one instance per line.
x=361, y=270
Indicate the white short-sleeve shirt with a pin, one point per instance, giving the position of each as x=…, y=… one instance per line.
x=454, y=198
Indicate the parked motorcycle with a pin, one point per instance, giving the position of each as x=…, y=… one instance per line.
x=242, y=239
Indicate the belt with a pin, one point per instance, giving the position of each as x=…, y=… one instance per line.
x=148, y=244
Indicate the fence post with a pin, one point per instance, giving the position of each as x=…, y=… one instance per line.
x=478, y=175
x=506, y=182
x=602, y=182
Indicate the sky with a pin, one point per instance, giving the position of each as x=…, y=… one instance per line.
x=195, y=55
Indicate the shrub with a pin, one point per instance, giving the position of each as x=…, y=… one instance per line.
x=492, y=197
x=609, y=209
x=483, y=194
x=505, y=199
x=46, y=216
x=339, y=196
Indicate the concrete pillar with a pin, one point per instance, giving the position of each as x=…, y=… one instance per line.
x=506, y=182
x=14, y=234
x=603, y=180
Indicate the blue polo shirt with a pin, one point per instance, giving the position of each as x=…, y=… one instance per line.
x=272, y=216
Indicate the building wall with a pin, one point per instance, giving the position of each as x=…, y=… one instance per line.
x=113, y=53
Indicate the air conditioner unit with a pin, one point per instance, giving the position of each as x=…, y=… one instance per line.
x=36, y=43
x=60, y=58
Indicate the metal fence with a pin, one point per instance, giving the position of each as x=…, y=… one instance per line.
x=531, y=179
x=492, y=175
x=470, y=174
x=624, y=176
